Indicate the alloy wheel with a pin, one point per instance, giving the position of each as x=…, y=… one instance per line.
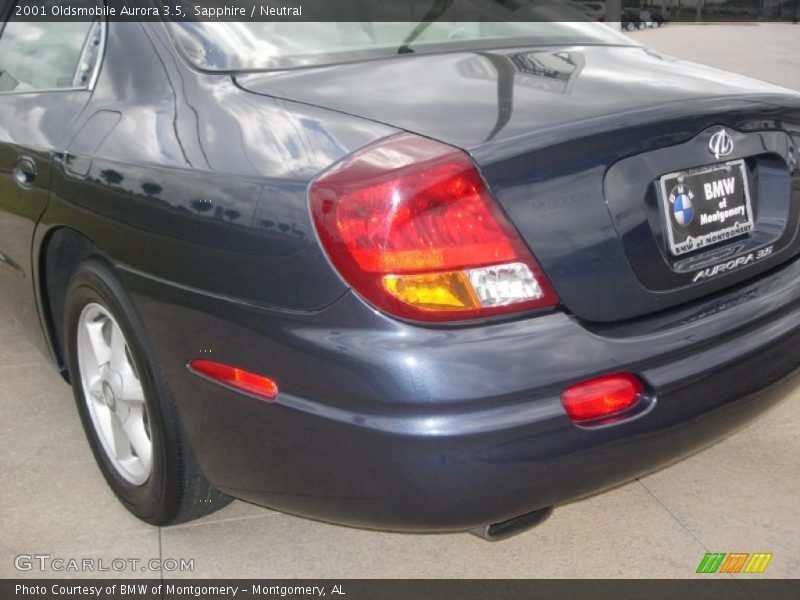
x=114, y=394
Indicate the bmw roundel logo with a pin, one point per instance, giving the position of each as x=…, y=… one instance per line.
x=682, y=208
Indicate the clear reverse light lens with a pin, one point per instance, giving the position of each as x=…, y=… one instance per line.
x=501, y=285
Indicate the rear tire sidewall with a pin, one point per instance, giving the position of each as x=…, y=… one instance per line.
x=94, y=282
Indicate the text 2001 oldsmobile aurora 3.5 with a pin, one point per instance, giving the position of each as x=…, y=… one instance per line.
x=417, y=278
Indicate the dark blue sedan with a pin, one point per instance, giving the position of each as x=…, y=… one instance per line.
x=400, y=276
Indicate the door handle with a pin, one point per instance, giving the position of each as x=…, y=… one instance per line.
x=24, y=172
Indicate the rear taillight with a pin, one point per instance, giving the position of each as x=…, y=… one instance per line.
x=410, y=225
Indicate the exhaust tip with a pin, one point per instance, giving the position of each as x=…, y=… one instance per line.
x=505, y=529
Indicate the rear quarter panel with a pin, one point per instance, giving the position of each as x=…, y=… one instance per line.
x=198, y=183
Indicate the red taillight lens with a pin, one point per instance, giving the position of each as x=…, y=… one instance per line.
x=602, y=397
x=410, y=225
x=252, y=383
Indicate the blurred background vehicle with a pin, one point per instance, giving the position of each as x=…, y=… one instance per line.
x=632, y=19
x=658, y=16
x=595, y=9
x=646, y=18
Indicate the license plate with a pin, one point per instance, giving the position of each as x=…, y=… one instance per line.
x=706, y=206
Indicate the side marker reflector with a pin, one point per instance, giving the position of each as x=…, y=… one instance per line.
x=602, y=397
x=245, y=381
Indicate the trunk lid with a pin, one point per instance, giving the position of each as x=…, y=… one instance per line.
x=573, y=143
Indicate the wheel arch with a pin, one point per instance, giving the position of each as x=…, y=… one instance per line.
x=61, y=251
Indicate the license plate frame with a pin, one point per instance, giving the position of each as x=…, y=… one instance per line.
x=692, y=219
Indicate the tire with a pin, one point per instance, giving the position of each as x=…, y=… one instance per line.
x=108, y=354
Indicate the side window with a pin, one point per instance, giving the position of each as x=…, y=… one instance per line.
x=47, y=55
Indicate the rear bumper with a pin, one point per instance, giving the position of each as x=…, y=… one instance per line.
x=382, y=424
x=355, y=475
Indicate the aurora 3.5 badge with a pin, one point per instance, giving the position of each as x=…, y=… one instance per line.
x=706, y=206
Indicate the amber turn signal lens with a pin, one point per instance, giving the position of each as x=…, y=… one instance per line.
x=436, y=291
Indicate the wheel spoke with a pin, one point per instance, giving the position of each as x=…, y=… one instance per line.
x=120, y=362
x=118, y=359
x=121, y=444
x=97, y=341
x=132, y=391
x=137, y=435
x=104, y=419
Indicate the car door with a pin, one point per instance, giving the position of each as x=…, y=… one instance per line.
x=46, y=77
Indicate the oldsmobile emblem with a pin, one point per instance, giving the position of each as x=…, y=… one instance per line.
x=720, y=144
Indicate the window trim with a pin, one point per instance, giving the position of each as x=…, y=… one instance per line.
x=101, y=52
x=90, y=85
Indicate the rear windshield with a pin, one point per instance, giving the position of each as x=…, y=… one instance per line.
x=222, y=46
